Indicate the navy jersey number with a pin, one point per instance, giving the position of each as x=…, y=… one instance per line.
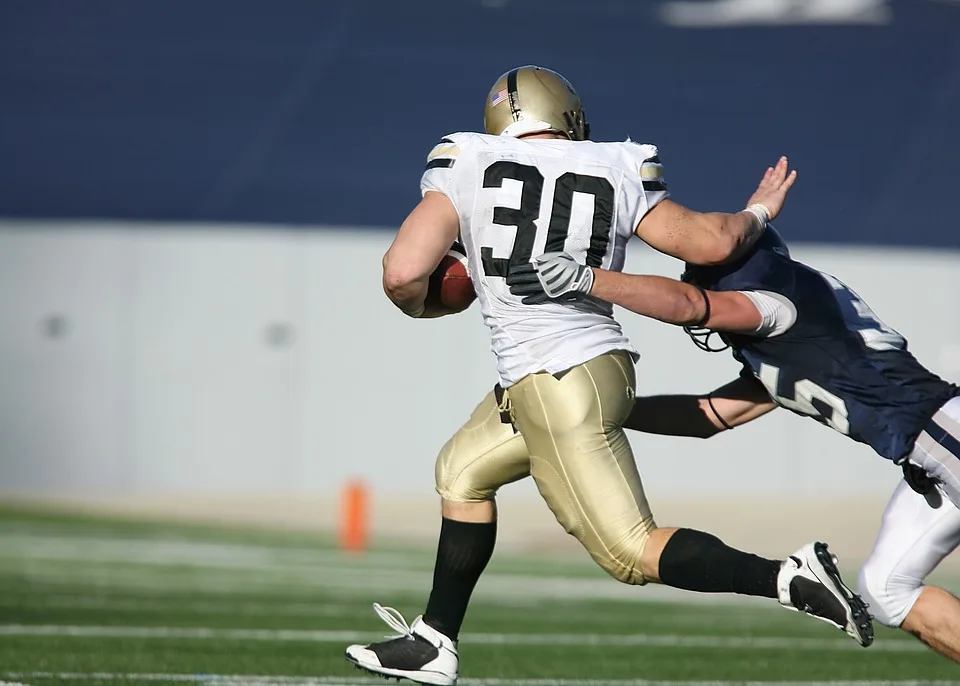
x=860, y=318
x=832, y=411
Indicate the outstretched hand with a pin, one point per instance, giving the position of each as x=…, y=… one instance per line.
x=773, y=188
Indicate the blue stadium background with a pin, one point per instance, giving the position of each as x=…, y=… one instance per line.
x=320, y=113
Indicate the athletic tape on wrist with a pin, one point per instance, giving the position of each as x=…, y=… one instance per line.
x=760, y=211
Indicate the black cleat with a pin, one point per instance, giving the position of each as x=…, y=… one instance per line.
x=419, y=653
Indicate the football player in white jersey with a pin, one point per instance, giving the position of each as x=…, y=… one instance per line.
x=535, y=183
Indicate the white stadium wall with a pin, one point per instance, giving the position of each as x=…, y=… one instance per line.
x=143, y=362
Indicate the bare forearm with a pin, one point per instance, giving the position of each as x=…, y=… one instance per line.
x=701, y=416
x=658, y=297
x=424, y=237
x=705, y=238
x=736, y=233
x=716, y=237
x=673, y=415
x=413, y=299
x=676, y=302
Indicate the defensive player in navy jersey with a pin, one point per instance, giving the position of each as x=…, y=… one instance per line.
x=810, y=344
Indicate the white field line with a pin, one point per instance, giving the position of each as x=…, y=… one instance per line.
x=305, y=609
x=496, y=588
x=164, y=552
x=27, y=544
x=309, y=636
x=154, y=600
x=229, y=563
x=234, y=567
x=243, y=566
x=154, y=557
x=45, y=543
x=263, y=680
x=216, y=567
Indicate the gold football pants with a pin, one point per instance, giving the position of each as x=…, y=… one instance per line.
x=566, y=431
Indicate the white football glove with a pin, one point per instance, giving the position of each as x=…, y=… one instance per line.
x=561, y=275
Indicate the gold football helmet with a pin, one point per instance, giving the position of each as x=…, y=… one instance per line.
x=532, y=99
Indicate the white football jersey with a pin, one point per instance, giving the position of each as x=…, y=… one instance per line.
x=521, y=198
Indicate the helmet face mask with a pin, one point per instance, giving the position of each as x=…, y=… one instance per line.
x=531, y=99
x=699, y=334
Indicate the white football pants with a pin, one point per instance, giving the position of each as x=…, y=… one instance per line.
x=917, y=531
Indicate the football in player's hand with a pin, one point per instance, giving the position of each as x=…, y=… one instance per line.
x=450, y=285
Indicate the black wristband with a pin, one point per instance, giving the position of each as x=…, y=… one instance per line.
x=706, y=308
x=716, y=414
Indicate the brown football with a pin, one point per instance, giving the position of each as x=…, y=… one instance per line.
x=451, y=287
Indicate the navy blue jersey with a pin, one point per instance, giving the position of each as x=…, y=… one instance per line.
x=838, y=363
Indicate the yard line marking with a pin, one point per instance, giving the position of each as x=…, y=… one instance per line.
x=319, y=636
x=263, y=680
x=96, y=602
x=165, y=550
x=223, y=565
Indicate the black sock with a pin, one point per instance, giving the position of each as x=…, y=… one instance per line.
x=462, y=554
x=697, y=561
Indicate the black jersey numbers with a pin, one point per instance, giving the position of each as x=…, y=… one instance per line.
x=524, y=218
x=602, y=191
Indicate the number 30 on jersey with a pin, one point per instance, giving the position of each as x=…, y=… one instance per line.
x=524, y=217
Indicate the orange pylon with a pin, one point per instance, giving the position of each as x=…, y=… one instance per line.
x=354, y=519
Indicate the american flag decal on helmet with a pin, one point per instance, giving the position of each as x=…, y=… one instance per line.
x=498, y=97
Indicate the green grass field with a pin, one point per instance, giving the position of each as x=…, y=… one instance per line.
x=104, y=602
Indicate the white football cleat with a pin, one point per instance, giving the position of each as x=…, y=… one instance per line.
x=810, y=582
x=420, y=653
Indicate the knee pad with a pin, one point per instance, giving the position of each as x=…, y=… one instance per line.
x=620, y=571
x=622, y=561
x=471, y=470
x=455, y=480
x=890, y=595
x=483, y=455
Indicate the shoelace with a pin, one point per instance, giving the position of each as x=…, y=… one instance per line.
x=393, y=619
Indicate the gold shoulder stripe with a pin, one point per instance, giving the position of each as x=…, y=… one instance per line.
x=444, y=150
x=651, y=171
